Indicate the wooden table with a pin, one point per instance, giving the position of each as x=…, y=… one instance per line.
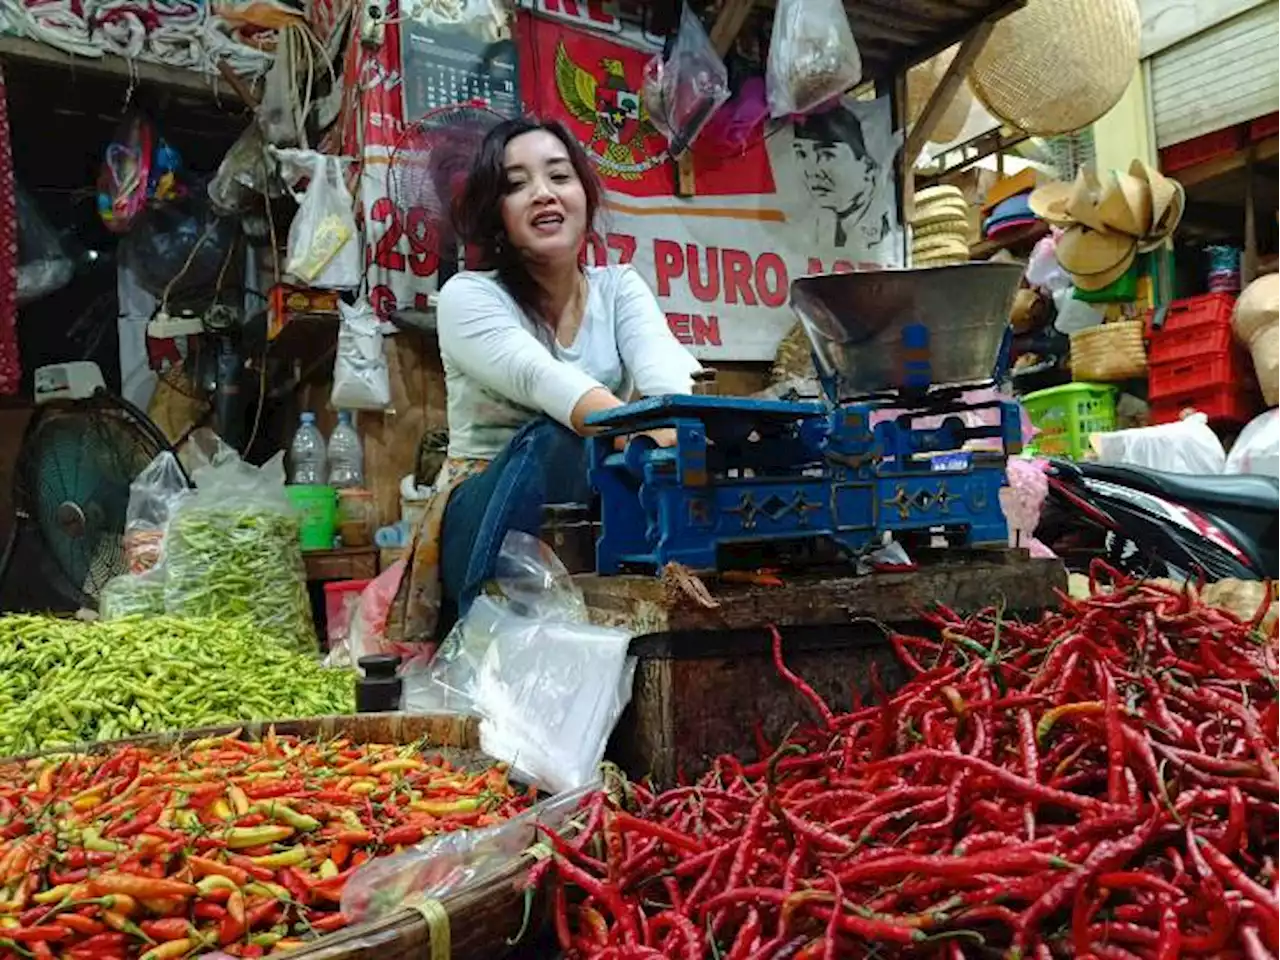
x=705, y=675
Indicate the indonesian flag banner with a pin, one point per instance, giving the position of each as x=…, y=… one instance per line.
x=810, y=197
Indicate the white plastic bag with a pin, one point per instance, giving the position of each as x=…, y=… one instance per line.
x=548, y=686
x=685, y=90
x=1257, y=449
x=324, y=245
x=812, y=56
x=361, y=376
x=1188, y=446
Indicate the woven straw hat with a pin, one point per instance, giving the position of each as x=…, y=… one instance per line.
x=1094, y=258
x=922, y=80
x=1056, y=66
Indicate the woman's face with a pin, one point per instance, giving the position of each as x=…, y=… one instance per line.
x=545, y=209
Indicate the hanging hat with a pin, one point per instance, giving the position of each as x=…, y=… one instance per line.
x=1168, y=199
x=1126, y=205
x=1049, y=203
x=1095, y=258
x=1056, y=66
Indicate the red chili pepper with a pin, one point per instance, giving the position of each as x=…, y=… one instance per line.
x=169, y=928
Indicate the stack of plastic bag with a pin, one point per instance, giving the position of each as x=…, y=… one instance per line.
x=548, y=686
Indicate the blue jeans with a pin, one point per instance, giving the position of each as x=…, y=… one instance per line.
x=543, y=463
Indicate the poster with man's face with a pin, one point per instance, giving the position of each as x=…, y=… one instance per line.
x=842, y=166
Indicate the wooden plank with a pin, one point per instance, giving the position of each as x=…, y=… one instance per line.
x=965, y=582
x=1012, y=239
x=193, y=82
x=946, y=90
x=733, y=17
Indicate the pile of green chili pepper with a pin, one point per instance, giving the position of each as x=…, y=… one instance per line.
x=221, y=562
x=67, y=681
x=132, y=595
x=221, y=844
x=1099, y=784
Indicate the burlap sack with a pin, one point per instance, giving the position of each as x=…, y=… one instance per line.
x=1256, y=323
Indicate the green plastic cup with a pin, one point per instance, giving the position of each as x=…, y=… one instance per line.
x=317, y=507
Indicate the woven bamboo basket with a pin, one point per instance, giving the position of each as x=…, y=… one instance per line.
x=1109, y=352
x=473, y=924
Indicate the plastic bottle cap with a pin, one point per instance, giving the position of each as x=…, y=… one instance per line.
x=308, y=417
x=344, y=417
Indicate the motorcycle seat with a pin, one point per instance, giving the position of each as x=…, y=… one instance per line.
x=1234, y=490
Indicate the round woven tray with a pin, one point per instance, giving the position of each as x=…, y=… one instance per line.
x=1056, y=66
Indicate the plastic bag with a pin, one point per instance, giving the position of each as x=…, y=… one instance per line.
x=244, y=174
x=154, y=496
x=452, y=862
x=683, y=91
x=812, y=56
x=43, y=264
x=1188, y=446
x=361, y=375
x=132, y=595
x=1022, y=501
x=324, y=245
x=548, y=686
x=232, y=550
x=1044, y=270
x=1257, y=449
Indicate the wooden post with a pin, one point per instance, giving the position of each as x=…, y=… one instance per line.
x=942, y=95
x=733, y=15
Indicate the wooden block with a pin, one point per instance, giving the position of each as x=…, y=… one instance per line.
x=347, y=563
x=966, y=583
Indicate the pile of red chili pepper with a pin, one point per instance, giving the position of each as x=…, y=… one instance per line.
x=1101, y=783
x=223, y=843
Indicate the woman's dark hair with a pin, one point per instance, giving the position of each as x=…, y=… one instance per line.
x=477, y=209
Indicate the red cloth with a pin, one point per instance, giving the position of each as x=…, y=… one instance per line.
x=10, y=367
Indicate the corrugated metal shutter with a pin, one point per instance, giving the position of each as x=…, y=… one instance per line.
x=1226, y=75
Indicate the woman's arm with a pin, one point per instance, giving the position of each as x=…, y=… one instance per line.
x=656, y=361
x=487, y=341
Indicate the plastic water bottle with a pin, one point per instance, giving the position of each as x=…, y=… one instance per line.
x=346, y=456
x=306, y=453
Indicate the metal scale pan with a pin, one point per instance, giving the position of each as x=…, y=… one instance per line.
x=906, y=330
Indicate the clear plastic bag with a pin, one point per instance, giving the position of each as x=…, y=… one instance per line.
x=361, y=374
x=449, y=863
x=812, y=56
x=43, y=264
x=243, y=176
x=1044, y=270
x=324, y=244
x=154, y=496
x=548, y=686
x=685, y=90
x=132, y=595
x=1257, y=449
x=232, y=550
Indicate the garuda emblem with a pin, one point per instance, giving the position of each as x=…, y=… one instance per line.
x=620, y=123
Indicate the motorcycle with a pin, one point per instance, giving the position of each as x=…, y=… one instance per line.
x=1155, y=524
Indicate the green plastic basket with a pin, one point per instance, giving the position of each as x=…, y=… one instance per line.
x=1066, y=415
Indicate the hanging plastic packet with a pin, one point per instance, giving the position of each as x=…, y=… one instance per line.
x=361, y=377
x=684, y=90
x=324, y=248
x=125, y=175
x=812, y=56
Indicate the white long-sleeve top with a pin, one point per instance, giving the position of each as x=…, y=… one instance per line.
x=502, y=369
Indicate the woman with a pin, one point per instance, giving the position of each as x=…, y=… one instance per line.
x=531, y=347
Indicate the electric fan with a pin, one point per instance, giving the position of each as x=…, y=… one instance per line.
x=427, y=169
x=71, y=492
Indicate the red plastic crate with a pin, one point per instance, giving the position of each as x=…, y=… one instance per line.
x=1220, y=143
x=1223, y=404
x=1224, y=368
x=1188, y=343
x=1208, y=308
x=1264, y=127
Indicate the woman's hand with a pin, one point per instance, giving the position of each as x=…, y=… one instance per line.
x=664, y=437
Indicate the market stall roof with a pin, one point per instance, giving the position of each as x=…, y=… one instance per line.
x=894, y=34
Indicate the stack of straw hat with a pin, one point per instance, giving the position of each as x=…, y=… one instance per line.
x=940, y=228
x=1107, y=223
